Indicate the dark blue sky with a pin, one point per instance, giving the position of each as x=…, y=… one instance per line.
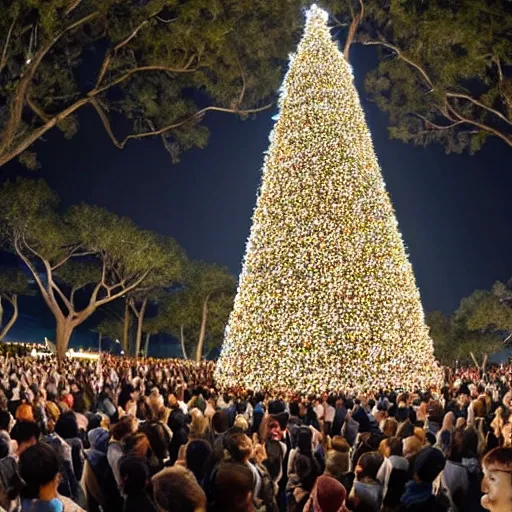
x=453, y=210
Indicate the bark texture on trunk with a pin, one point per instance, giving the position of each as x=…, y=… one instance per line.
x=202, y=333
x=146, y=344
x=126, y=327
x=140, y=324
x=63, y=334
x=182, y=339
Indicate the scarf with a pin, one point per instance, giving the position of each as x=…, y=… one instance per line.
x=416, y=493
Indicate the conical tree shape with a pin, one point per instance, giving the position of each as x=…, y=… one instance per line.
x=327, y=298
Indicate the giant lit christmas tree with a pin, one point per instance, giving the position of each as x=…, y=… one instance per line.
x=327, y=298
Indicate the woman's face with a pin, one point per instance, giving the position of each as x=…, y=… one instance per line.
x=274, y=431
x=497, y=486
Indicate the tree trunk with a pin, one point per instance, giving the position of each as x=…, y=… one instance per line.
x=146, y=345
x=140, y=324
x=63, y=334
x=202, y=333
x=474, y=359
x=484, y=364
x=126, y=327
x=182, y=339
x=12, y=320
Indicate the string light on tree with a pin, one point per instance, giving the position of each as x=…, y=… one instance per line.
x=327, y=298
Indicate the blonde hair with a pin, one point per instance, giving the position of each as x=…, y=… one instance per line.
x=198, y=424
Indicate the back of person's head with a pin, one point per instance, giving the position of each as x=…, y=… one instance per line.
x=305, y=440
x=233, y=487
x=307, y=470
x=411, y=446
x=337, y=463
x=5, y=420
x=158, y=437
x=390, y=427
x=294, y=408
x=391, y=446
x=239, y=446
x=39, y=467
x=67, y=426
x=25, y=412
x=241, y=423
x=220, y=422
x=469, y=448
x=25, y=431
x=340, y=444
x=134, y=474
x=136, y=445
x=429, y=463
x=328, y=495
x=124, y=427
x=176, y=490
x=197, y=456
x=368, y=465
x=198, y=424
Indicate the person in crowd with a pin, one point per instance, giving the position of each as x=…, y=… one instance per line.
x=234, y=486
x=497, y=481
x=419, y=495
x=134, y=473
x=366, y=493
x=176, y=489
x=39, y=469
x=120, y=431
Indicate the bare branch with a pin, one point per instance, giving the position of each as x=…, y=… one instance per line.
x=484, y=127
x=497, y=60
x=244, y=85
x=72, y=6
x=111, y=53
x=431, y=124
x=3, y=59
x=401, y=56
x=478, y=104
x=141, y=69
x=356, y=20
x=106, y=123
x=124, y=290
x=171, y=20
x=195, y=116
x=37, y=109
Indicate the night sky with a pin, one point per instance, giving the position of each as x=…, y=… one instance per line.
x=453, y=210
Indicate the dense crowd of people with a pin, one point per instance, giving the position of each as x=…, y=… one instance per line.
x=156, y=435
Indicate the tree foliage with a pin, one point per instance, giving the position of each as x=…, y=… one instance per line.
x=444, y=72
x=81, y=258
x=198, y=311
x=162, y=65
x=475, y=331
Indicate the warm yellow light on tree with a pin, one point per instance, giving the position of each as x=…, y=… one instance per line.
x=327, y=298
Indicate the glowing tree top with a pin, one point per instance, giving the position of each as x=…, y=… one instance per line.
x=327, y=298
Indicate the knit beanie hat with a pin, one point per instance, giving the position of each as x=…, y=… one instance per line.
x=429, y=463
x=329, y=495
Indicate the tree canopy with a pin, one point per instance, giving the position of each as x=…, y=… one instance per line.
x=160, y=64
x=80, y=258
x=444, y=73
